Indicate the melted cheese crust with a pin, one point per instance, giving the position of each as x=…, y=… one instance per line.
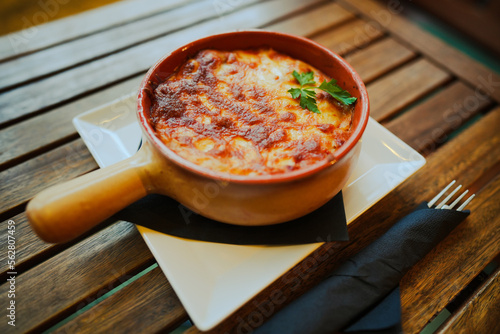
x=231, y=112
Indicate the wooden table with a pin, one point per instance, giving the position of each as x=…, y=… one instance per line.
x=435, y=98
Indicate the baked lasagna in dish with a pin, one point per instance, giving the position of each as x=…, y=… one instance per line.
x=231, y=112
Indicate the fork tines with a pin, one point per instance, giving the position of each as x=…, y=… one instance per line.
x=443, y=205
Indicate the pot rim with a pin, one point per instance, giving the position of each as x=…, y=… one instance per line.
x=254, y=179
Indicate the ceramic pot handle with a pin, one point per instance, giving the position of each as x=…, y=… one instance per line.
x=67, y=210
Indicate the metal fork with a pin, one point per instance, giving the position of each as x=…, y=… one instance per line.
x=443, y=205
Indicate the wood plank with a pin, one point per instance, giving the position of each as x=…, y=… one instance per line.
x=379, y=58
x=348, y=37
x=480, y=313
x=18, y=184
x=86, y=48
x=428, y=125
x=313, y=21
x=476, y=19
x=75, y=277
x=398, y=89
x=22, y=140
x=441, y=53
x=55, y=32
x=147, y=305
x=104, y=71
x=30, y=249
x=479, y=144
x=28, y=245
x=426, y=289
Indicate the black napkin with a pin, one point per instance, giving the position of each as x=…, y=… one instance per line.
x=384, y=317
x=163, y=214
x=356, y=287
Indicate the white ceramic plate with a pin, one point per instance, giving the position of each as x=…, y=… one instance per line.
x=213, y=280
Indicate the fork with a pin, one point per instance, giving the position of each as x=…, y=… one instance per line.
x=443, y=205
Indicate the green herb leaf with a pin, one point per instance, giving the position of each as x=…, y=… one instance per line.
x=337, y=92
x=304, y=78
x=308, y=100
x=296, y=92
x=308, y=95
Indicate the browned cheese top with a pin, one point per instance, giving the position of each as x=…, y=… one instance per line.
x=231, y=112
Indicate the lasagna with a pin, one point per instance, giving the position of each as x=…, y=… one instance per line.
x=231, y=112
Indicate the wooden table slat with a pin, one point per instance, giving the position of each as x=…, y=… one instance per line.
x=430, y=123
x=28, y=245
x=55, y=32
x=148, y=305
x=398, y=89
x=75, y=277
x=313, y=21
x=379, y=58
x=348, y=37
x=20, y=183
x=63, y=86
x=481, y=311
x=30, y=249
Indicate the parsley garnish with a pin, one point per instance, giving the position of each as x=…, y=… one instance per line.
x=308, y=95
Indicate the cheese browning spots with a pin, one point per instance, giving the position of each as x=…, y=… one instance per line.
x=231, y=112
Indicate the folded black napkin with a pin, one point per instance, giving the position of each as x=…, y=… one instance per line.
x=163, y=214
x=361, y=295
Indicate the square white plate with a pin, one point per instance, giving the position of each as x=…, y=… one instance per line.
x=213, y=280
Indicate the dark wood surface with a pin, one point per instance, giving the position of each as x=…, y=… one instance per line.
x=477, y=19
x=474, y=314
x=435, y=98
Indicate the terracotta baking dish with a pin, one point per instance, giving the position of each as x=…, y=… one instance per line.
x=65, y=211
